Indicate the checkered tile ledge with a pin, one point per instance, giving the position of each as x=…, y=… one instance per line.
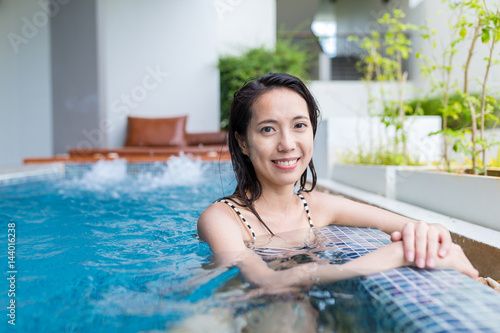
x=210, y=168
x=416, y=300
x=34, y=173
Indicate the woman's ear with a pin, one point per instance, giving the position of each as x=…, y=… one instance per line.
x=241, y=143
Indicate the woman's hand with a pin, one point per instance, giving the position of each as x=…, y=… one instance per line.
x=423, y=243
x=457, y=260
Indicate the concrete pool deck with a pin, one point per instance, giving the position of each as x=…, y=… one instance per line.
x=480, y=244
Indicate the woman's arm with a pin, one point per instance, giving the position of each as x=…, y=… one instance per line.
x=218, y=227
x=423, y=242
x=256, y=272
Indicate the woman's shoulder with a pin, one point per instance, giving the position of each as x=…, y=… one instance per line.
x=217, y=211
x=323, y=207
x=217, y=226
x=317, y=197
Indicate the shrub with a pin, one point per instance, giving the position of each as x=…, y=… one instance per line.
x=432, y=106
x=235, y=71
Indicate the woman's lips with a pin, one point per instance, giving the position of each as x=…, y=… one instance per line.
x=286, y=164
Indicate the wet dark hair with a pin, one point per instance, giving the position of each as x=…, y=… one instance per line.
x=240, y=115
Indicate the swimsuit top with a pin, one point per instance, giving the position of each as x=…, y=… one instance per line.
x=248, y=225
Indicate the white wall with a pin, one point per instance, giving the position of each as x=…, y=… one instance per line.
x=158, y=58
x=155, y=58
x=350, y=134
x=350, y=98
x=180, y=44
x=243, y=24
x=25, y=94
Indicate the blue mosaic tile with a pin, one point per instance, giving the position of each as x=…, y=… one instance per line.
x=211, y=169
x=418, y=300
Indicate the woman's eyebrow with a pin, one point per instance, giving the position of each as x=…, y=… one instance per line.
x=274, y=121
x=267, y=121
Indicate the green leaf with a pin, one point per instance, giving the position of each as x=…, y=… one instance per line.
x=485, y=36
x=463, y=32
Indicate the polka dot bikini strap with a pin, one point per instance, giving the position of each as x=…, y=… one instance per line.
x=241, y=217
x=306, y=207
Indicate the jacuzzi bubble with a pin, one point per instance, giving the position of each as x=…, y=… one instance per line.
x=106, y=172
x=113, y=179
x=179, y=171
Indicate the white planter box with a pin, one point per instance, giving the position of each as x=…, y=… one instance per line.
x=371, y=178
x=378, y=179
x=471, y=198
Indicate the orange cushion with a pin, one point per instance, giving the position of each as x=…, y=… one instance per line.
x=156, y=132
x=206, y=138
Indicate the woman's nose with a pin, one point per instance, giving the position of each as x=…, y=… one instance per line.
x=287, y=141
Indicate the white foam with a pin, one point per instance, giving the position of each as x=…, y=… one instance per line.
x=107, y=172
x=111, y=176
x=103, y=176
x=179, y=171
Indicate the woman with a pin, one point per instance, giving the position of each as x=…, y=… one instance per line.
x=272, y=125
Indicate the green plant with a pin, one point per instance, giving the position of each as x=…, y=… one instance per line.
x=438, y=68
x=476, y=109
x=432, y=106
x=488, y=28
x=495, y=162
x=286, y=57
x=378, y=156
x=383, y=62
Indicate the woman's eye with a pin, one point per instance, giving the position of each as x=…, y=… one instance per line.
x=301, y=125
x=266, y=129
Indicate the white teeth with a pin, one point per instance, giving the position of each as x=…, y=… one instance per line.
x=286, y=163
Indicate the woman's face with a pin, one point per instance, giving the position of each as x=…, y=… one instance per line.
x=279, y=139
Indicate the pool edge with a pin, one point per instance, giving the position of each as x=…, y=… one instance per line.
x=481, y=245
x=10, y=175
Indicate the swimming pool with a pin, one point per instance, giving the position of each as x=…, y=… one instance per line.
x=113, y=247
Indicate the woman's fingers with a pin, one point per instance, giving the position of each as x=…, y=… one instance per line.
x=396, y=236
x=408, y=235
x=421, y=230
x=444, y=240
x=462, y=262
x=424, y=243
x=432, y=247
x=457, y=260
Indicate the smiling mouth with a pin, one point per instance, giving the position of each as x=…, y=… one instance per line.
x=286, y=163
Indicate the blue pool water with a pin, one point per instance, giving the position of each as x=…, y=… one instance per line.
x=105, y=251
x=113, y=248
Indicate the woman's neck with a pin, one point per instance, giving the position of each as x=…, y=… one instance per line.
x=276, y=200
